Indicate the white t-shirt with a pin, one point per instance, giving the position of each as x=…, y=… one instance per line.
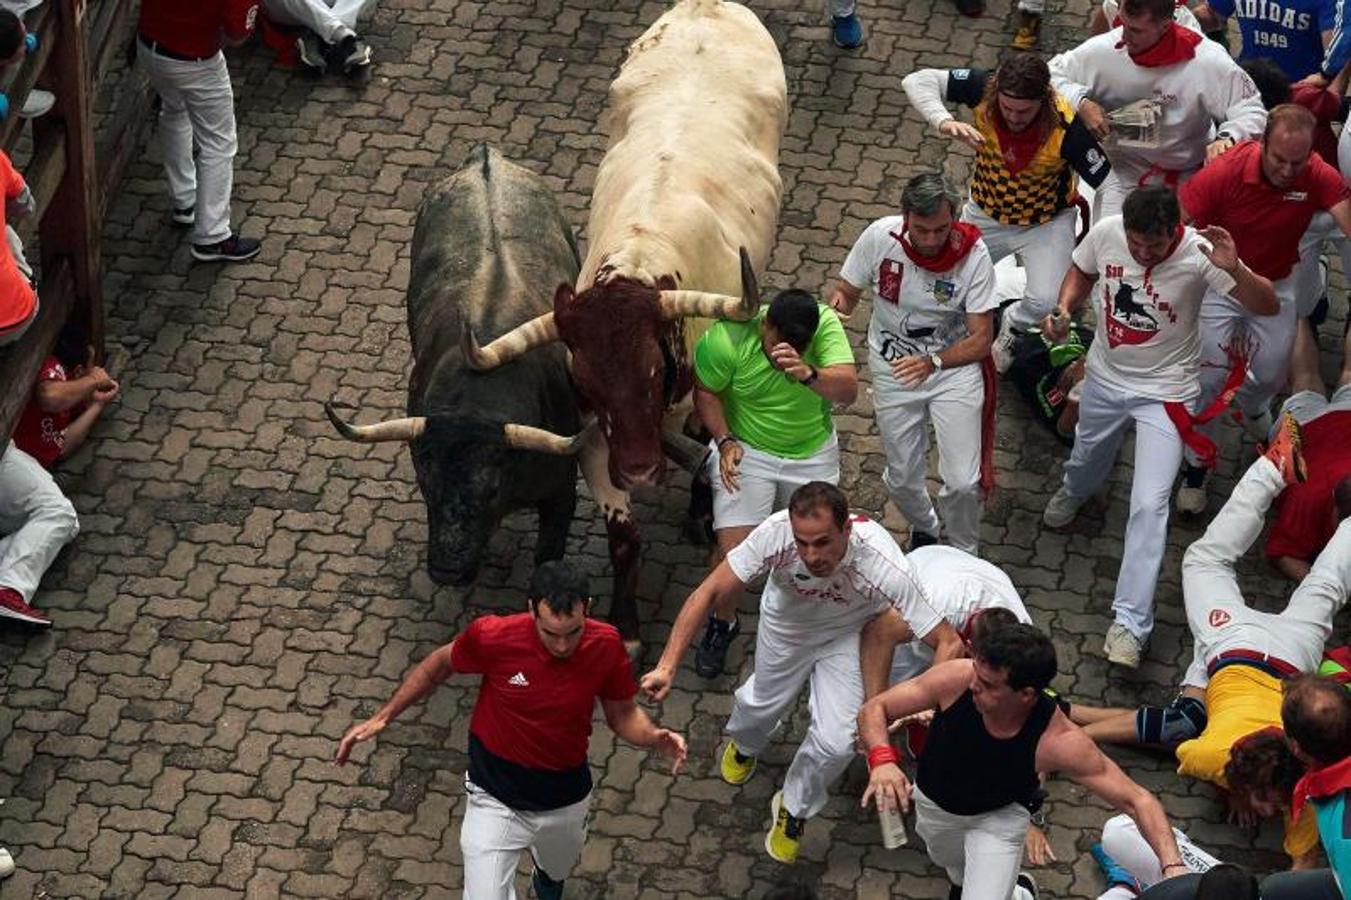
x=1147, y=342
x=957, y=585
x=916, y=312
x=800, y=606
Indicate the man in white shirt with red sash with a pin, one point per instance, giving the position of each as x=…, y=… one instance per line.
x=929, y=351
x=1147, y=275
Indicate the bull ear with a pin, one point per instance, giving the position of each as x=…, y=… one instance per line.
x=563, y=296
x=750, y=289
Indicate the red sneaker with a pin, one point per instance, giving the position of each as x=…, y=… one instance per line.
x=1285, y=453
x=13, y=607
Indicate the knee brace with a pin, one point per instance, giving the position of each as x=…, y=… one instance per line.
x=1179, y=721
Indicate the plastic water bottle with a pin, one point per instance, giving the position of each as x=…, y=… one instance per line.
x=893, y=827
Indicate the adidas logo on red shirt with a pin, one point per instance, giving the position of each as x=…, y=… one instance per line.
x=519, y=680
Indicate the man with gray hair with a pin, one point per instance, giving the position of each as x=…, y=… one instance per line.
x=929, y=350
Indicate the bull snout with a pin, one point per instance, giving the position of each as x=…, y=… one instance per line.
x=647, y=475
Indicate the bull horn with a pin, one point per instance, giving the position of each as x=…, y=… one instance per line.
x=393, y=430
x=675, y=304
x=540, y=440
x=526, y=336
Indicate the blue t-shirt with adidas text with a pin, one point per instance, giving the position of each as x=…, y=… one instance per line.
x=1289, y=33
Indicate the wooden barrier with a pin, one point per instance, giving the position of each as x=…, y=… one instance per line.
x=72, y=179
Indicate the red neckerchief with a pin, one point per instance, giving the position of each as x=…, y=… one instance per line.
x=963, y=237
x=1017, y=147
x=1177, y=45
x=1322, y=782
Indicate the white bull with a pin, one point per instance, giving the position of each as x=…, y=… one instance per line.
x=683, y=213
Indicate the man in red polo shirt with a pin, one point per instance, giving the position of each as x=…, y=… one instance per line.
x=180, y=48
x=1307, y=514
x=528, y=784
x=1264, y=193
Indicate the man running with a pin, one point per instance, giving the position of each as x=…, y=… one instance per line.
x=928, y=340
x=1147, y=275
x=1029, y=145
x=1149, y=57
x=994, y=730
x=829, y=572
x=528, y=783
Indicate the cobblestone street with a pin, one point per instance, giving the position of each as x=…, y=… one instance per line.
x=246, y=585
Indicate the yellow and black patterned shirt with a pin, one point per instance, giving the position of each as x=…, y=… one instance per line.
x=1047, y=184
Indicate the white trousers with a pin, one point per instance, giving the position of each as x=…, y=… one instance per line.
x=36, y=520
x=781, y=668
x=1126, y=175
x=1216, y=613
x=331, y=20
x=1309, y=280
x=767, y=482
x=952, y=400
x=1124, y=843
x=198, y=106
x=981, y=853
x=1104, y=414
x=841, y=8
x=493, y=836
x=1044, y=251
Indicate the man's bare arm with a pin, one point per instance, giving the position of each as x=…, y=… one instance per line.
x=877, y=645
x=1064, y=748
x=425, y=678
x=721, y=582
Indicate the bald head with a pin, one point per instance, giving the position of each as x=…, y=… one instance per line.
x=1316, y=714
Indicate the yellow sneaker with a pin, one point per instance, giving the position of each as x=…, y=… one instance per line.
x=735, y=768
x=1028, y=32
x=785, y=834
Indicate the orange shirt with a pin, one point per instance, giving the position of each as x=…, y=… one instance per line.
x=17, y=298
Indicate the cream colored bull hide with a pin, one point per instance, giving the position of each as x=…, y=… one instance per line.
x=691, y=173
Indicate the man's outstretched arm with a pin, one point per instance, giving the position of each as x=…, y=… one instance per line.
x=1066, y=749
x=426, y=677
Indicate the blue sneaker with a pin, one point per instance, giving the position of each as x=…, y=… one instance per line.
x=847, y=31
x=1112, y=870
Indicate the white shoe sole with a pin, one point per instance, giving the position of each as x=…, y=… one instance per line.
x=1190, y=500
x=209, y=256
x=6, y=613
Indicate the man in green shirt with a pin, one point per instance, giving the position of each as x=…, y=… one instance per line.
x=764, y=389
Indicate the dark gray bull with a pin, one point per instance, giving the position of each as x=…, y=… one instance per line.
x=490, y=248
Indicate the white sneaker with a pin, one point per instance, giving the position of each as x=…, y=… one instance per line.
x=1122, y=647
x=1001, y=351
x=37, y=103
x=6, y=863
x=1061, y=509
x=1191, y=500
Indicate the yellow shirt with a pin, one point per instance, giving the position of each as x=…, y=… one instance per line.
x=1240, y=700
x=1037, y=193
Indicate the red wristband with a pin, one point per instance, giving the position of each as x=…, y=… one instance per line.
x=881, y=755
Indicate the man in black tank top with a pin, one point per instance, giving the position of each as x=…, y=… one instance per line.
x=993, y=731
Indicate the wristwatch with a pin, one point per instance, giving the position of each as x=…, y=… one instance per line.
x=936, y=361
x=810, y=379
